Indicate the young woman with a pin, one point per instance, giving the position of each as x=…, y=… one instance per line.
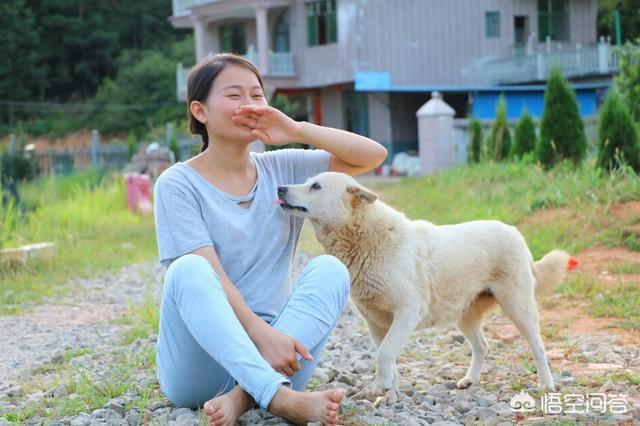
x=233, y=333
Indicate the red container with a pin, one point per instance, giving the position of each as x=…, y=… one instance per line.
x=138, y=192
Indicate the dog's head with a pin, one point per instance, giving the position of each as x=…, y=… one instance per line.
x=328, y=198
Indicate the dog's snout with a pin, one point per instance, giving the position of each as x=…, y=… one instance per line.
x=282, y=190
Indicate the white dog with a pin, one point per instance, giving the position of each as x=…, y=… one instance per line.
x=413, y=274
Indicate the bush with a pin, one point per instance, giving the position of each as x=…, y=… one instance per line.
x=132, y=145
x=474, y=151
x=525, y=136
x=561, y=128
x=628, y=81
x=174, y=146
x=500, y=141
x=618, y=136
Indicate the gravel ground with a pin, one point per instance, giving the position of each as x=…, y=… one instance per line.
x=86, y=320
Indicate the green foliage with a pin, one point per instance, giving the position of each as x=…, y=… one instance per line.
x=290, y=108
x=629, y=18
x=525, y=136
x=132, y=145
x=618, y=136
x=175, y=147
x=562, y=132
x=500, y=141
x=474, y=150
x=628, y=81
x=144, y=90
x=15, y=167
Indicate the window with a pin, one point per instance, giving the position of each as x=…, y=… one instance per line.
x=553, y=20
x=281, y=33
x=492, y=24
x=232, y=39
x=321, y=22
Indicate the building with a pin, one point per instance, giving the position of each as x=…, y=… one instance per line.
x=368, y=65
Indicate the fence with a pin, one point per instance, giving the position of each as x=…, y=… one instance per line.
x=64, y=162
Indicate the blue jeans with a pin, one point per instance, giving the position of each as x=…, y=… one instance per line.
x=203, y=350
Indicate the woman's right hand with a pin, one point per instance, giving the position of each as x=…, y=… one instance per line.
x=280, y=350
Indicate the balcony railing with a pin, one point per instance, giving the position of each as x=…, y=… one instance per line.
x=280, y=65
x=181, y=7
x=601, y=59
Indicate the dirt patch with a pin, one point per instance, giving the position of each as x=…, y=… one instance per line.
x=626, y=211
x=548, y=215
x=597, y=260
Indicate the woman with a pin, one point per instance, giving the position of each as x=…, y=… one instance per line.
x=232, y=333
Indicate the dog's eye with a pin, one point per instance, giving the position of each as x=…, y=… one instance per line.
x=316, y=186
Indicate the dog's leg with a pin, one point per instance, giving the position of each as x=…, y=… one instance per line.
x=472, y=329
x=403, y=325
x=377, y=333
x=471, y=326
x=523, y=311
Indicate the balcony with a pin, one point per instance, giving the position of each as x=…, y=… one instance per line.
x=599, y=60
x=181, y=7
x=280, y=65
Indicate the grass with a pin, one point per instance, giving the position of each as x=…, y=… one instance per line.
x=86, y=216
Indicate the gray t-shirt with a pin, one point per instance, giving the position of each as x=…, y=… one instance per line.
x=255, y=244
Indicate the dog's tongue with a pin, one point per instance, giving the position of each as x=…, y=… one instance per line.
x=278, y=201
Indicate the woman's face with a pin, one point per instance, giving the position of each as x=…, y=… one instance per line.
x=233, y=87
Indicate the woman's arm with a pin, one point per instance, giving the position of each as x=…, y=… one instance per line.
x=351, y=153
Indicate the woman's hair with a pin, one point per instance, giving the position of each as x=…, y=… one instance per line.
x=201, y=79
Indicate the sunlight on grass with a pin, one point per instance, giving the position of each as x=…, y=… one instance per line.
x=86, y=216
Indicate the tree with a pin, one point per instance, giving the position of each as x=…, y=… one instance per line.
x=628, y=81
x=474, y=151
x=629, y=18
x=19, y=66
x=562, y=133
x=525, y=136
x=618, y=136
x=500, y=141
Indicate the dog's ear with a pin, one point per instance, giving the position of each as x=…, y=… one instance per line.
x=361, y=194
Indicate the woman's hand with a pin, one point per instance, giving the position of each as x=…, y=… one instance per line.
x=280, y=350
x=269, y=124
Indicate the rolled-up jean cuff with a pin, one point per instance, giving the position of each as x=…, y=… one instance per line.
x=268, y=390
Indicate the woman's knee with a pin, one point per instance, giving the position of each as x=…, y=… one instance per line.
x=337, y=272
x=188, y=270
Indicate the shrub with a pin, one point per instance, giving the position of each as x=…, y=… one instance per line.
x=561, y=128
x=618, y=136
x=474, y=151
x=500, y=141
x=525, y=136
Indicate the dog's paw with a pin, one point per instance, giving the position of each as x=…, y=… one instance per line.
x=466, y=382
x=547, y=387
x=377, y=394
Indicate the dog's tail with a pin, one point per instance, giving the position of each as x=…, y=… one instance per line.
x=551, y=270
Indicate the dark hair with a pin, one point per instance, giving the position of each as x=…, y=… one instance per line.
x=201, y=79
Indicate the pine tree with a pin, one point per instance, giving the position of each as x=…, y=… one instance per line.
x=561, y=128
x=474, y=151
x=500, y=140
x=618, y=136
x=525, y=136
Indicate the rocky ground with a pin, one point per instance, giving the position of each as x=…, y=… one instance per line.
x=55, y=355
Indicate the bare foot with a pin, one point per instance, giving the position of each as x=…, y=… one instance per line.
x=224, y=410
x=306, y=407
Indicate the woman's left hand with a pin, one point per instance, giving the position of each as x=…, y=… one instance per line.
x=269, y=124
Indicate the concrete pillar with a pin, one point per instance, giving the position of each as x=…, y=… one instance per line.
x=435, y=135
x=95, y=148
x=262, y=37
x=200, y=33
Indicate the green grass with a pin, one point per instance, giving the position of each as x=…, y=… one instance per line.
x=87, y=218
